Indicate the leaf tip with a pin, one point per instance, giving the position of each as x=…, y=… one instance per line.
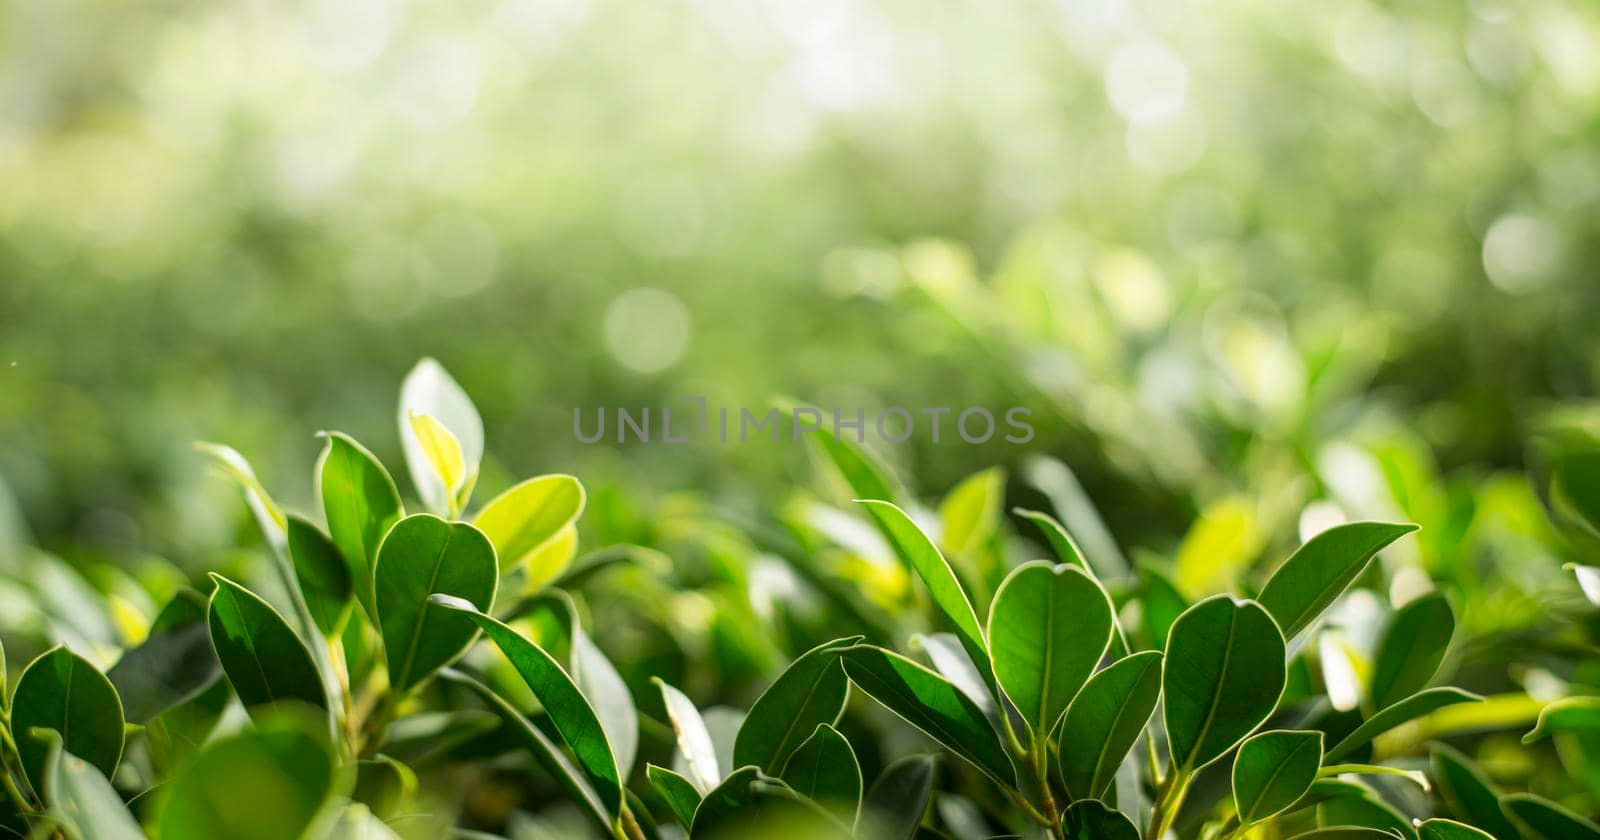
x=452, y=602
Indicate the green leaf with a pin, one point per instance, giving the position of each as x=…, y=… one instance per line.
x=60, y=690
x=1073, y=507
x=920, y=554
x=1468, y=793
x=1322, y=569
x=568, y=709
x=361, y=503
x=1399, y=713
x=324, y=578
x=824, y=769
x=1412, y=647
x=895, y=804
x=750, y=804
x=1443, y=829
x=79, y=795
x=1049, y=626
x=1222, y=677
x=383, y=784
x=261, y=784
x=930, y=703
x=1416, y=777
x=970, y=513
x=1272, y=771
x=680, y=795
x=1065, y=547
x=1367, y=811
x=1105, y=720
x=1545, y=820
x=1160, y=605
x=1091, y=819
x=264, y=660
x=266, y=512
x=867, y=476
x=528, y=516
x=174, y=664
x=1569, y=714
x=429, y=389
x=1577, y=486
x=1346, y=832
x=810, y=692
x=694, y=740
x=550, y=756
x=423, y=556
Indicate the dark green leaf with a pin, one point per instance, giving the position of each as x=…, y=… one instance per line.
x=1468, y=793
x=1545, y=820
x=1412, y=647
x=930, y=703
x=824, y=769
x=361, y=503
x=1222, y=676
x=1577, y=485
x=1404, y=711
x=1322, y=569
x=1272, y=771
x=810, y=692
x=174, y=664
x=78, y=794
x=417, y=738
x=60, y=690
x=1443, y=829
x=569, y=711
x=1049, y=626
x=423, y=556
x=264, y=660
x=324, y=577
x=1091, y=819
x=1105, y=721
x=261, y=784
x=749, y=804
x=680, y=795
x=894, y=806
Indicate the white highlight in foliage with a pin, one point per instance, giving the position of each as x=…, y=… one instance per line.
x=647, y=330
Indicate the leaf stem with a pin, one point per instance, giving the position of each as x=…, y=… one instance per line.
x=630, y=825
x=12, y=791
x=1169, y=798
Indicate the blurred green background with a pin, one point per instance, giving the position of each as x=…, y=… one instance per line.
x=1232, y=252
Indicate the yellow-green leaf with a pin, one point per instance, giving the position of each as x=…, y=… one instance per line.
x=529, y=517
